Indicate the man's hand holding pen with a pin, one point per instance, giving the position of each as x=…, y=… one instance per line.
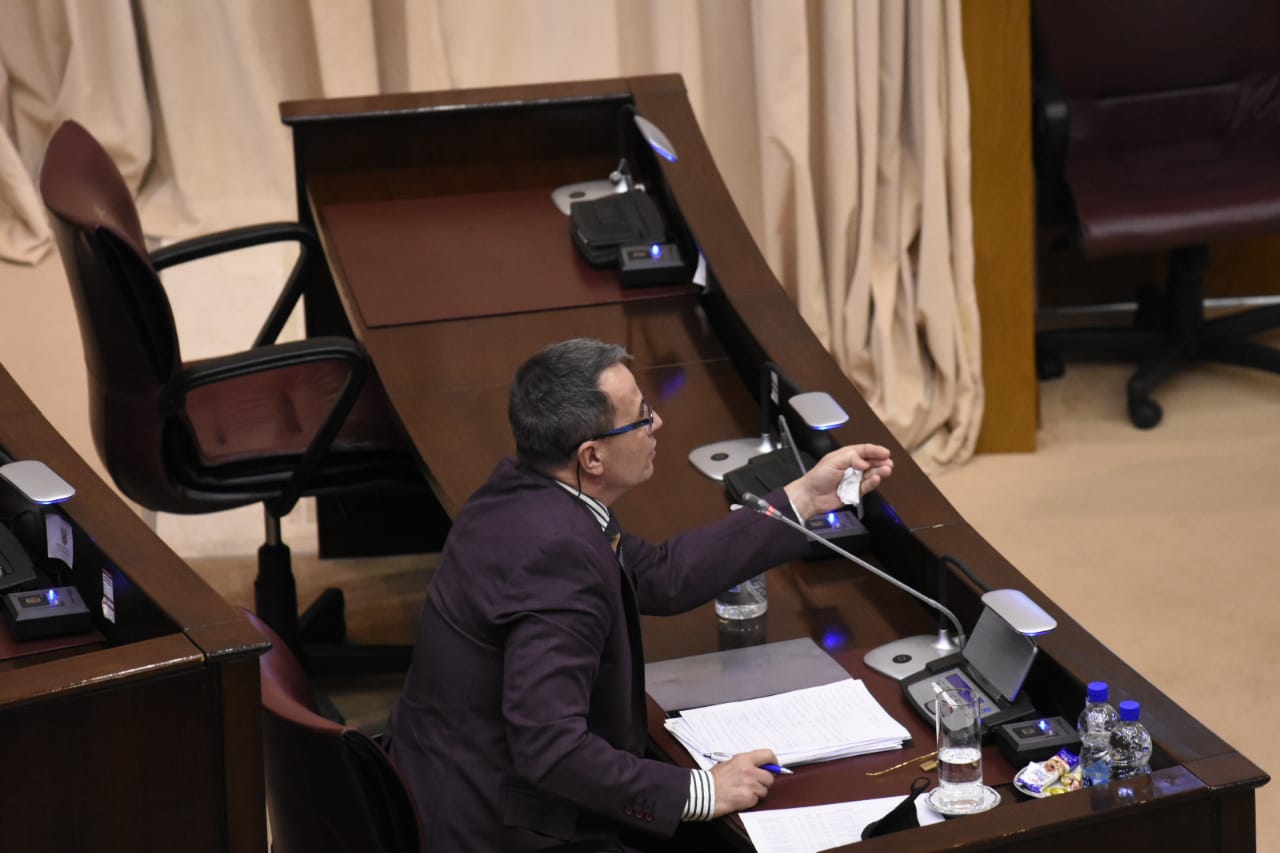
x=742, y=781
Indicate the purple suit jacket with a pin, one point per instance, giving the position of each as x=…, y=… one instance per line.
x=522, y=721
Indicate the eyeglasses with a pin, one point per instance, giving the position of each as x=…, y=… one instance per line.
x=646, y=422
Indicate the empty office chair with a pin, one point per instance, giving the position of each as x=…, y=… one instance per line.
x=1156, y=129
x=329, y=787
x=270, y=424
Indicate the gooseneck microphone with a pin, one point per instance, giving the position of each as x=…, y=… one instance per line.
x=763, y=507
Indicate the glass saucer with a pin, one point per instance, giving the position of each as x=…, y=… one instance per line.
x=990, y=799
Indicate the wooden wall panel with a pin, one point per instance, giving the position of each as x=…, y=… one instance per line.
x=997, y=47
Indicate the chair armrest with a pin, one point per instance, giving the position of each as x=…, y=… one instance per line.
x=258, y=359
x=243, y=238
x=273, y=357
x=230, y=240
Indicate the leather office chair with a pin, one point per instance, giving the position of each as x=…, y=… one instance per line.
x=271, y=424
x=329, y=787
x=1157, y=127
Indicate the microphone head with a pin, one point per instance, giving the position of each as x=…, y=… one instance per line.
x=656, y=138
x=758, y=504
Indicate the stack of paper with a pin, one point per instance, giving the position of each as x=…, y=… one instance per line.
x=801, y=726
x=810, y=828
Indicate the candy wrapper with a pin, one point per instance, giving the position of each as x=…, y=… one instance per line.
x=1050, y=777
x=1072, y=780
x=850, y=489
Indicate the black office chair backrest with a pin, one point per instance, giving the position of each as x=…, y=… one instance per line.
x=329, y=787
x=127, y=328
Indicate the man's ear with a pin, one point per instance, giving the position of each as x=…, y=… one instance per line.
x=589, y=458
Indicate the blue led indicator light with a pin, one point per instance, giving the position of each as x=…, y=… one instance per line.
x=832, y=639
x=655, y=251
x=1043, y=725
x=52, y=596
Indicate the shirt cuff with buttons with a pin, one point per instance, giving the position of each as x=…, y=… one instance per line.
x=701, y=804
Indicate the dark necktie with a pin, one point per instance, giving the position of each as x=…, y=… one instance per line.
x=613, y=531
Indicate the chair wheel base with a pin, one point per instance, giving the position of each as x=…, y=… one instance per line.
x=348, y=660
x=319, y=635
x=1154, y=312
x=1144, y=412
x=325, y=621
x=1049, y=365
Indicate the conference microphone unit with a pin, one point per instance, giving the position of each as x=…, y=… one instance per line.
x=763, y=507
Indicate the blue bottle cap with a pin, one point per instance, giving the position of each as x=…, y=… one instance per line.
x=1097, y=691
x=1130, y=710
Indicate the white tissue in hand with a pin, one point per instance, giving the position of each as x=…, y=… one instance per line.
x=850, y=489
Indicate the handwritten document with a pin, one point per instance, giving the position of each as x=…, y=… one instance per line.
x=801, y=726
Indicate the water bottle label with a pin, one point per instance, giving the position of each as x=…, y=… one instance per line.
x=1096, y=773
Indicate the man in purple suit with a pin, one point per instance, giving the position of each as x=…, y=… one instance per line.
x=522, y=722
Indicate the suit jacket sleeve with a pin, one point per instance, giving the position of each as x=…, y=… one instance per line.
x=688, y=570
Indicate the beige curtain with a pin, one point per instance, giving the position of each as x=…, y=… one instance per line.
x=841, y=129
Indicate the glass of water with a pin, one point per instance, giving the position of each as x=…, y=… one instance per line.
x=747, y=600
x=958, y=719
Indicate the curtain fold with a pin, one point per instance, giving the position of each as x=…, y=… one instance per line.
x=61, y=58
x=841, y=129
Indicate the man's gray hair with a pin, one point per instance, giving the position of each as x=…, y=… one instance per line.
x=556, y=402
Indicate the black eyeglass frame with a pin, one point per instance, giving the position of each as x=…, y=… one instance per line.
x=646, y=421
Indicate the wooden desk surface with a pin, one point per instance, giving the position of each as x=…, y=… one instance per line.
x=445, y=257
x=695, y=359
x=148, y=738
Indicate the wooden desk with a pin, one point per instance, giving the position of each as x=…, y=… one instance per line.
x=1198, y=797
x=697, y=357
x=848, y=779
x=149, y=738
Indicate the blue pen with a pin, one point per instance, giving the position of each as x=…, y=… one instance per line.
x=775, y=769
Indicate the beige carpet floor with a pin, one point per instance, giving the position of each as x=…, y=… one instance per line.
x=1162, y=543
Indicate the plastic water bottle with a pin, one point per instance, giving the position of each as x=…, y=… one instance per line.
x=1130, y=743
x=1095, y=725
x=745, y=601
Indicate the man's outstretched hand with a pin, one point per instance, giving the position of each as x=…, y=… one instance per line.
x=815, y=492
